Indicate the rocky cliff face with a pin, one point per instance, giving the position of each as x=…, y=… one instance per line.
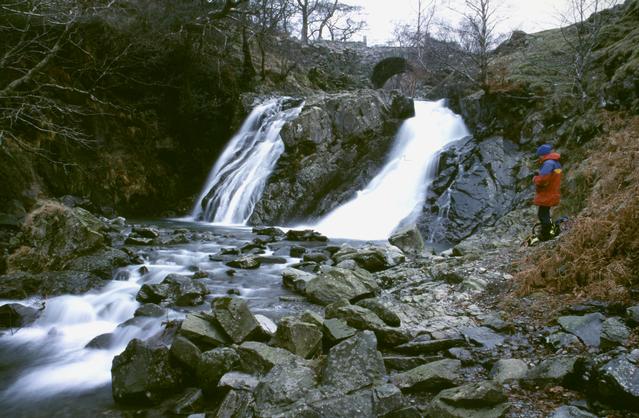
x=334, y=148
x=478, y=182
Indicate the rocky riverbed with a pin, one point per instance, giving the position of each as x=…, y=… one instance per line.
x=266, y=322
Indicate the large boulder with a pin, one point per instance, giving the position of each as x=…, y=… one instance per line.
x=101, y=263
x=506, y=370
x=235, y=317
x=296, y=280
x=259, y=358
x=15, y=315
x=333, y=284
x=284, y=384
x=298, y=337
x=53, y=234
x=333, y=148
x=354, y=363
x=143, y=374
x=408, y=239
x=203, y=331
x=175, y=288
x=559, y=370
x=431, y=377
x=482, y=400
x=587, y=327
x=213, y=365
x=371, y=258
x=617, y=381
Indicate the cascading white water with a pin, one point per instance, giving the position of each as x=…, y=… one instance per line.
x=237, y=179
x=400, y=188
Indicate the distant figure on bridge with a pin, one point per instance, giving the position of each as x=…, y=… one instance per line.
x=547, y=188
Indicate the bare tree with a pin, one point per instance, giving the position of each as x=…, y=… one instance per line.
x=306, y=8
x=581, y=29
x=337, y=19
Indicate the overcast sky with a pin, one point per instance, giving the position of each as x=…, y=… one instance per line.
x=527, y=15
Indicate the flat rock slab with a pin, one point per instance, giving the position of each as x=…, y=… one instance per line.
x=431, y=377
x=586, y=327
x=235, y=318
x=507, y=370
x=203, y=332
x=552, y=371
x=483, y=336
x=259, y=358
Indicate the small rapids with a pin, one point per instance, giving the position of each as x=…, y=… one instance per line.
x=398, y=191
x=49, y=362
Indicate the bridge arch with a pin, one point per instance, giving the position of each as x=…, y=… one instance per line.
x=387, y=68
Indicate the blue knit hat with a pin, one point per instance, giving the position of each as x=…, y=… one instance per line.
x=544, y=150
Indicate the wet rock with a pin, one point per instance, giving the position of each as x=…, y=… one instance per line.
x=305, y=235
x=134, y=240
x=54, y=234
x=364, y=319
x=307, y=266
x=381, y=310
x=101, y=263
x=146, y=232
x=297, y=251
x=316, y=257
x=269, y=231
x=354, y=363
x=386, y=399
x=15, y=315
x=425, y=344
x=336, y=330
x=270, y=260
x=20, y=285
x=569, y=411
x=247, y=263
x=238, y=381
x=617, y=381
x=185, y=352
x=408, y=239
x=190, y=402
x=372, y=259
x=101, y=342
x=296, y=280
x=312, y=318
x=267, y=327
x=175, y=288
x=483, y=399
x=560, y=370
x=213, y=365
x=298, y=337
x=613, y=333
x=284, y=384
x=483, y=336
x=259, y=358
x=333, y=284
x=236, y=404
x=506, y=370
x=203, y=331
x=431, y=377
x=403, y=363
x=235, y=318
x=143, y=374
x=587, y=327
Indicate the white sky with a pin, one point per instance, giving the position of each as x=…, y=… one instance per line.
x=527, y=15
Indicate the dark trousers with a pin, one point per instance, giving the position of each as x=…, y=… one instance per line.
x=543, y=213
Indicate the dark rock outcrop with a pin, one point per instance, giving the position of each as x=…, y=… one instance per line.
x=477, y=183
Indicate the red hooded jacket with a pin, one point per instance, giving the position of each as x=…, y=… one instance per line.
x=548, y=181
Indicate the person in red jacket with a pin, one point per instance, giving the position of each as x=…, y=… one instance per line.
x=547, y=187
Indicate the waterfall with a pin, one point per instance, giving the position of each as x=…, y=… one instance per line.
x=398, y=191
x=237, y=179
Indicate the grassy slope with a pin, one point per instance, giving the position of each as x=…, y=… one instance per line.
x=599, y=255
